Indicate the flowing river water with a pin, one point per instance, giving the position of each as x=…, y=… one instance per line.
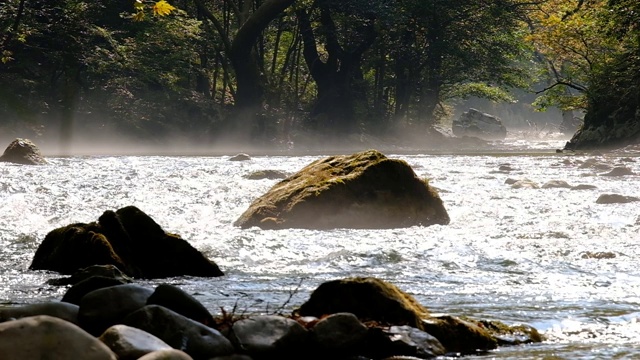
x=552, y=258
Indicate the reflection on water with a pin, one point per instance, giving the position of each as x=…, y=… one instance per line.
x=516, y=255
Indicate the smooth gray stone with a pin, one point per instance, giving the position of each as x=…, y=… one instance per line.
x=105, y=307
x=46, y=337
x=339, y=332
x=172, y=354
x=61, y=310
x=130, y=343
x=269, y=335
x=180, y=332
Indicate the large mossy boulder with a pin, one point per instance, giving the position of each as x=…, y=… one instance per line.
x=367, y=298
x=375, y=301
x=23, y=151
x=363, y=190
x=128, y=239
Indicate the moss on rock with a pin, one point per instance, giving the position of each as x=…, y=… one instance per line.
x=363, y=190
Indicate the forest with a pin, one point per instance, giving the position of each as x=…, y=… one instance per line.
x=275, y=72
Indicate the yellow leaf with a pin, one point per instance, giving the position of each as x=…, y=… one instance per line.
x=138, y=5
x=162, y=8
x=139, y=16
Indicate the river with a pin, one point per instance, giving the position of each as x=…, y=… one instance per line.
x=551, y=258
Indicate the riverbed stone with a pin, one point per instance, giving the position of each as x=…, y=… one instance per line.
x=415, y=342
x=555, y=184
x=23, y=151
x=269, y=336
x=180, y=332
x=476, y=123
x=267, y=174
x=362, y=190
x=240, y=157
x=75, y=293
x=616, y=199
x=47, y=337
x=525, y=184
x=176, y=299
x=367, y=298
x=130, y=343
x=105, y=271
x=103, y=308
x=169, y=354
x=340, y=333
x=457, y=335
x=584, y=187
x=619, y=171
x=128, y=239
x=60, y=310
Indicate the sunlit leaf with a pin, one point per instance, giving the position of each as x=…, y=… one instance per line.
x=138, y=5
x=162, y=8
x=139, y=16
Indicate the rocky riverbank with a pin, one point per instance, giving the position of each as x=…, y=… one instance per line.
x=103, y=315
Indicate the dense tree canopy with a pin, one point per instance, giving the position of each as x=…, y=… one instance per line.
x=271, y=69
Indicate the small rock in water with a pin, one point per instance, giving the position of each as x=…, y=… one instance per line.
x=240, y=157
x=616, y=199
x=524, y=184
x=556, y=184
x=619, y=171
x=584, y=187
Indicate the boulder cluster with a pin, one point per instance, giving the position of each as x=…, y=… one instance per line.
x=354, y=318
x=128, y=239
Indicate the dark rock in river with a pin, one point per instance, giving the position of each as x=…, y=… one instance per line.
x=179, y=332
x=174, y=298
x=479, y=124
x=23, y=151
x=60, y=310
x=128, y=239
x=103, y=271
x=375, y=301
x=240, y=157
x=367, y=298
x=363, y=190
x=106, y=307
x=266, y=174
x=616, y=199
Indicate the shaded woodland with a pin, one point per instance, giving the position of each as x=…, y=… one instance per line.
x=275, y=72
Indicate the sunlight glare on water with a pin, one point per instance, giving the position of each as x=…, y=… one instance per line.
x=552, y=258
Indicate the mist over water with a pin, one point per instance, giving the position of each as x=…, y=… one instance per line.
x=515, y=255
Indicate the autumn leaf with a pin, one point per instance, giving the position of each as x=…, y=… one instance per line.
x=138, y=5
x=139, y=16
x=162, y=8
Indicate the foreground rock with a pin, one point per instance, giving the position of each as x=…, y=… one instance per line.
x=355, y=318
x=374, y=300
x=130, y=343
x=478, y=124
x=363, y=190
x=23, y=151
x=46, y=337
x=128, y=239
x=368, y=299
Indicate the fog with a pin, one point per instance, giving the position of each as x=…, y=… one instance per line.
x=90, y=138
